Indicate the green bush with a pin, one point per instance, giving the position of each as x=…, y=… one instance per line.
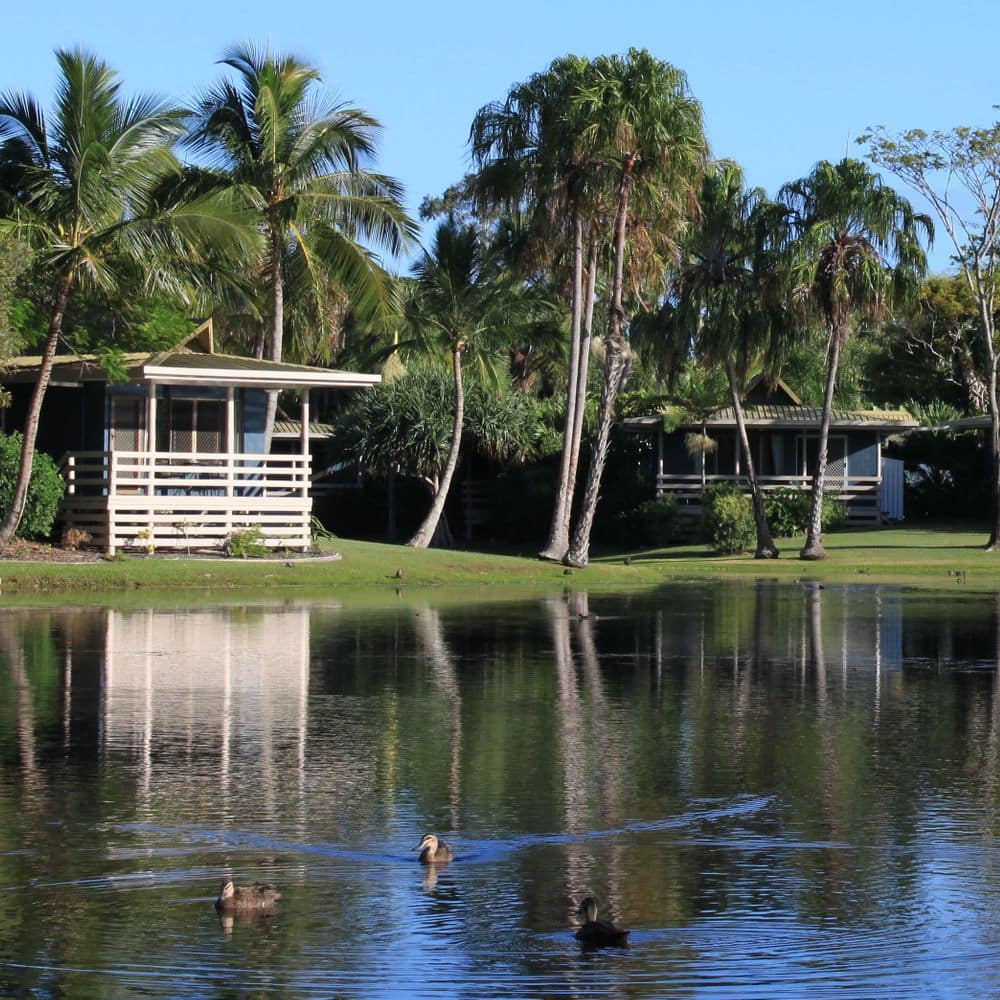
x=727, y=519
x=45, y=489
x=246, y=543
x=658, y=521
x=788, y=512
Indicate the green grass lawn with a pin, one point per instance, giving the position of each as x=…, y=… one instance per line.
x=940, y=556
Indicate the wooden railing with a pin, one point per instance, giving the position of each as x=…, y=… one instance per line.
x=171, y=500
x=859, y=493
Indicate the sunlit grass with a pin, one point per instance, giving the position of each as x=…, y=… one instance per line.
x=946, y=556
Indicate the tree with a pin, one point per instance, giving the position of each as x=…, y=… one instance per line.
x=530, y=151
x=89, y=190
x=299, y=160
x=958, y=172
x=466, y=306
x=645, y=129
x=722, y=288
x=406, y=426
x=859, y=250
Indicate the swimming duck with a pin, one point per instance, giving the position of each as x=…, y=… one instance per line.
x=598, y=933
x=234, y=898
x=433, y=851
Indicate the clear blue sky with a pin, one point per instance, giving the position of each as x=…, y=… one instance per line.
x=784, y=83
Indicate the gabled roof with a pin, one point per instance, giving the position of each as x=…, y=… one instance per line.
x=773, y=404
x=194, y=362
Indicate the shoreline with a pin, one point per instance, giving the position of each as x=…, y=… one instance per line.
x=939, y=557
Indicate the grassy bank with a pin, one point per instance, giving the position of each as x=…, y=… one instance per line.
x=941, y=556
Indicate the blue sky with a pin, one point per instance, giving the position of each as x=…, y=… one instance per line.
x=783, y=83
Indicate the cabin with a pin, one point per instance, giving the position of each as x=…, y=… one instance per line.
x=784, y=435
x=173, y=457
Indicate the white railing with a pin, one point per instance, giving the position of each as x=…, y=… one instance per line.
x=172, y=500
x=859, y=493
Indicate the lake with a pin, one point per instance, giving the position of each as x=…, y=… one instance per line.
x=780, y=789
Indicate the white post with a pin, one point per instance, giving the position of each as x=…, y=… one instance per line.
x=150, y=437
x=230, y=437
x=305, y=443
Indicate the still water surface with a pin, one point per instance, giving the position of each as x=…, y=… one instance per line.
x=780, y=789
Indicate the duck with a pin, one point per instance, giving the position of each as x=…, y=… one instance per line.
x=598, y=933
x=433, y=851
x=233, y=898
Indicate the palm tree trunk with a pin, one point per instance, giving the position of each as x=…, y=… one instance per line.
x=813, y=549
x=424, y=534
x=16, y=510
x=614, y=369
x=277, y=333
x=583, y=366
x=558, y=541
x=766, y=549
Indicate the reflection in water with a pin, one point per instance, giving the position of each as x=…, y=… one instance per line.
x=779, y=788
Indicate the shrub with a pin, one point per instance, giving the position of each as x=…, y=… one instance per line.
x=788, y=512
x=727, y=519
x=657, y=521
x=246, y=543
x=45, y=489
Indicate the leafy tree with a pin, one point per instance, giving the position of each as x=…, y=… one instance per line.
x=530, y=151
x=723, y=291
x=406, y=426
x=958, y=172
x=465, y=306
x=299, y=160
x=645, y=130
x=858, y=250
x=89, y=190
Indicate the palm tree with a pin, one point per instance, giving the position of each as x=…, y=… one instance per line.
x=529, y=150
x=646, y=130
x=466, y=306
x=724, y=310
x=299, y=161
x=92, y=191
x=859, y=247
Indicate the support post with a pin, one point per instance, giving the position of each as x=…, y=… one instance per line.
x=230, y=438
x=150, y=438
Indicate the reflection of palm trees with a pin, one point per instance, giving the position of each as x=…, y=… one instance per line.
x=431, y=635
x=578, y=756
x=12, y=648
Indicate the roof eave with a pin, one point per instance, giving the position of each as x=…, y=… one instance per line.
x=168, y=375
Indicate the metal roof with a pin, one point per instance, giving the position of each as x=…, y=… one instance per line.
x=797, y=416
x=185, y=367
x=293, y=429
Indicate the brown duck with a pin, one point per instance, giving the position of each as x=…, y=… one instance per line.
x=245, y=899
x=433, y=851
x=598, y=933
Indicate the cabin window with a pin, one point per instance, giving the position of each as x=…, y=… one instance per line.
x=197, y=425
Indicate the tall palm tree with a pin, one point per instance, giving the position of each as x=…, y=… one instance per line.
x=724, y=309
x=92, y=190
x=300, y=162
x=859, y=248
x=529, y=150
x=463, y=304
x=645, y=129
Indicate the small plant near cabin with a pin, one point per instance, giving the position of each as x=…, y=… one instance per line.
x=245, y=543
x=319, y=532
x=727, y=519
x=144, y=539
